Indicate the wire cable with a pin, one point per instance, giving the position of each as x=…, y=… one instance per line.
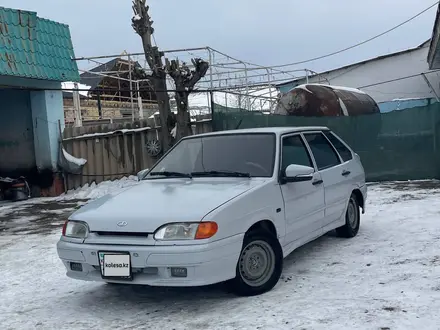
x=400, y=78
x=360, y=43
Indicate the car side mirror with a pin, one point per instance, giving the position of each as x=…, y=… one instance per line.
x=298, y=173
x=141, y=174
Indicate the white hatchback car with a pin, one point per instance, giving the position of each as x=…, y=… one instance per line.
x=224, y=206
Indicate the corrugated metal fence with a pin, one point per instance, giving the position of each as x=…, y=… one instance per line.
x=113, y=150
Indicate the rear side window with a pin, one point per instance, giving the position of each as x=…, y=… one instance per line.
x=294, y=152
x=339, y=146
x=325, y=155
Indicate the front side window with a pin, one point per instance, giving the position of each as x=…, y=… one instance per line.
x=325, y=155
x=294, y=152
x=250, y=154
x=343, y=151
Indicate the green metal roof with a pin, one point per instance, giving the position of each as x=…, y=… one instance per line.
x=33, y=47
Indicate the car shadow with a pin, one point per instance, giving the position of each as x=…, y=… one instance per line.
x=150, y=301
x=154, y=300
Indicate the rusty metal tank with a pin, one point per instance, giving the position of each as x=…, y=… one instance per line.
x=316, y=100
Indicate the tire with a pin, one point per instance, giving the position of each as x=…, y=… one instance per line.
x=352, y=219
x=259, y=248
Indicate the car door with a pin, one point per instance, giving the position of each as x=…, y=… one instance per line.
x=303, y=201
x=333, y=173
x=353, y=173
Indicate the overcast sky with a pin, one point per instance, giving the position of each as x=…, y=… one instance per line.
x=264, y=32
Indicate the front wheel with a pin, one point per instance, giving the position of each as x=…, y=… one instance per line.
x=352, y=219
x=259, y=266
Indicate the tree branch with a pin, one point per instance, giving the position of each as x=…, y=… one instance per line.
x=143, y=26
x=184, y=78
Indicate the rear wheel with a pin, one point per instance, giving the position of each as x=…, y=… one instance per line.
x=259, y=266
x=352, y=219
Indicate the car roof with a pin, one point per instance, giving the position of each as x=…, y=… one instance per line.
x=275, y=130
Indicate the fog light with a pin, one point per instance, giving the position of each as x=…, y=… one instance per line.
x=75, y=266
x=179, y=272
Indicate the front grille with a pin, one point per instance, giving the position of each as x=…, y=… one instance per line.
x=121, y=233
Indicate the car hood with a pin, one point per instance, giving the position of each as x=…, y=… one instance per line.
x=153, y=203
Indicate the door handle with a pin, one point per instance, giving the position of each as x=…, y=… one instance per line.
x=345, y=172
x=317, y=182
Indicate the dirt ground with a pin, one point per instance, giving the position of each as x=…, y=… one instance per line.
x=36, y=217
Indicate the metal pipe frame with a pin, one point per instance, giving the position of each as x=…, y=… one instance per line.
x=247, y=66
x=136, y=54
x=248, y=63
x=103, y=75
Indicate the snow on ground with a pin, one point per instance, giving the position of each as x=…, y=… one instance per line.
x=91, y=191
x=41, y=215
x=387, y=277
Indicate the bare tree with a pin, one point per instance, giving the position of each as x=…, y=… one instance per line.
x=184, y=78
x=143, y=25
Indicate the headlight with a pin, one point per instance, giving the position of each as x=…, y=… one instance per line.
x=186, y=231
x=75, y=229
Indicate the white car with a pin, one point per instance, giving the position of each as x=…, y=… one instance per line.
x=225, y=206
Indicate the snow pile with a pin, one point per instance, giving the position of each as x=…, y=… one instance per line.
x=74, y=160
x=94, y=191
x=385, y=278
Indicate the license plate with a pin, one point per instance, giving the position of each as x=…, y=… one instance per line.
x=115, y=265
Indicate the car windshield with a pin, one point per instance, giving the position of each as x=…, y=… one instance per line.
x=234, y=155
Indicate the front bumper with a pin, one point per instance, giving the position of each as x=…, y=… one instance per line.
x=206, y=263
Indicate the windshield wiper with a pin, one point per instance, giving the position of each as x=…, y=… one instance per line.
x=222, y=174
x=172, y=174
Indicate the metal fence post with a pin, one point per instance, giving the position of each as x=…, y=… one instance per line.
x=211, y=93
x=141, y=110
x=210, y=74
x=130, y=77
x=77, y=106
x=99, y=104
